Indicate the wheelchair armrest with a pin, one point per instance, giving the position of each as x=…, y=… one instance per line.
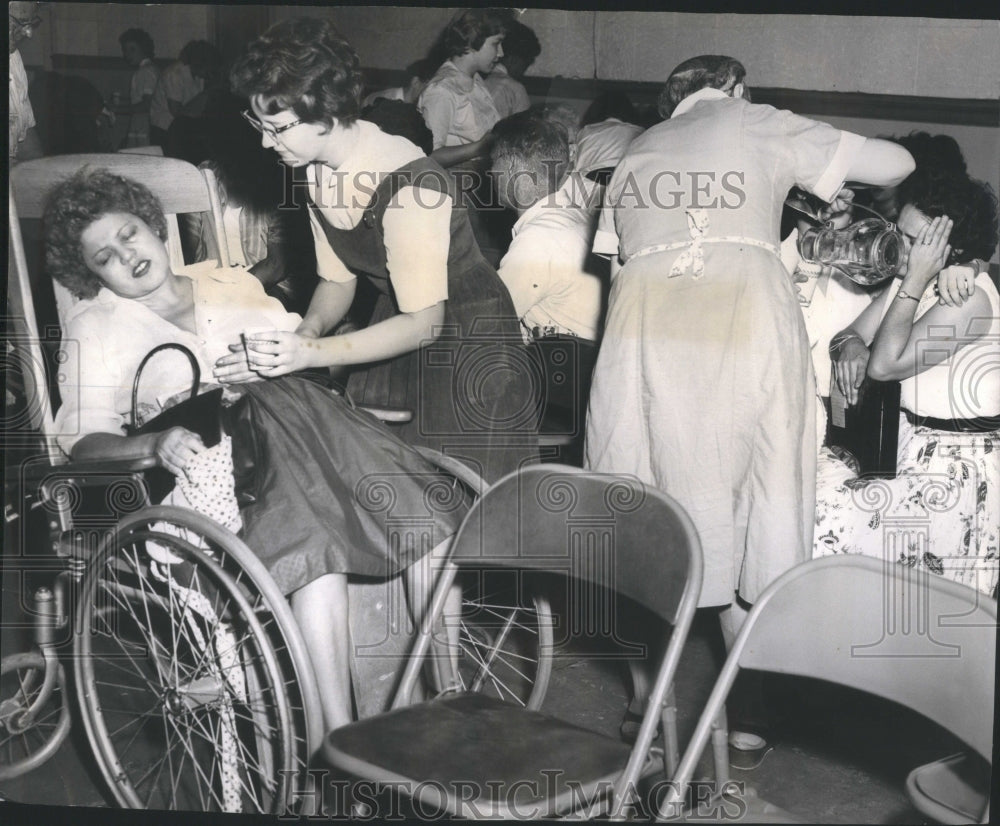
x=392, y=415
x=90, y=467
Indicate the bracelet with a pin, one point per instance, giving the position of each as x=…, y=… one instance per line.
x=902, y=294
x=839, y=341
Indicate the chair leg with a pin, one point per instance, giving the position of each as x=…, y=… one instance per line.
x=668, y=720
x=720, y=749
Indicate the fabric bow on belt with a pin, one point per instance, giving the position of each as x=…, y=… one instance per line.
x=693, y=258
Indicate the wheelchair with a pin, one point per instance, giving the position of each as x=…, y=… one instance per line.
x=190, y=676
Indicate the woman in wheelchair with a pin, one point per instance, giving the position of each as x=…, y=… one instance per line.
x=945, y=355
x=314, y=473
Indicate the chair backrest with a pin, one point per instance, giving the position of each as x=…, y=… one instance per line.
x=180, y=186
x=609, y=530
x=142, y=150
x=33, y=298
x=896, y=632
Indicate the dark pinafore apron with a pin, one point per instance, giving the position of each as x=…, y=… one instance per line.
x=474, y=391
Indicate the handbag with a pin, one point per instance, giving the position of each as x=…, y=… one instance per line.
x=200, y=413
x=870, y=429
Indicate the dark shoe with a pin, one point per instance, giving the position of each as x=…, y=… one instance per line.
x=630, y=725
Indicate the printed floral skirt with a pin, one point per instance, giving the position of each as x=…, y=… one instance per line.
x=941, y=512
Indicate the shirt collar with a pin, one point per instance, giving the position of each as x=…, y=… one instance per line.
x=708, y=93
x=457, y=76
x=559, y=199
x=373, y=151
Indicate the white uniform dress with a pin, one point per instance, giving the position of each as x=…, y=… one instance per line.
x=703, y=385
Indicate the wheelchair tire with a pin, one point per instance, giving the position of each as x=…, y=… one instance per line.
x=196, y=688
x=506, y=641
x=30, y=736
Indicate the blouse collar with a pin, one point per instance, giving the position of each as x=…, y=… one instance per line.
x=708, y=93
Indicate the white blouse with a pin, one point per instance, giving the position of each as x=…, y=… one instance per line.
x=416, y=226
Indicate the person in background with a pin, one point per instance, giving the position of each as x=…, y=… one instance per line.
x=70, y=115
x=418, y=73
x=180, y=87
x=396, y=117
x=553, y=278
x=520, y=49
x=456, y=105
x=24, y=143
x=607, y=129
x=138, y=50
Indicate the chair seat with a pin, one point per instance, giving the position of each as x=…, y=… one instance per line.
x=949, y=790
x=476, y=756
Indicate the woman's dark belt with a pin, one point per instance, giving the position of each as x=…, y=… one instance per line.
x=980, y=424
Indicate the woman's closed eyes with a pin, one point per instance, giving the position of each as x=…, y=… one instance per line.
x=126, y=235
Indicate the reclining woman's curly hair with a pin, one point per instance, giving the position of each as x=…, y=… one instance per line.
x=74, y=205
x=971, y=205
x=303, y=65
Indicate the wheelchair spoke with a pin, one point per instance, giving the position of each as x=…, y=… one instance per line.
x=199, y=637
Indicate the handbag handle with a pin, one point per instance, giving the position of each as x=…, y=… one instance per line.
x=138, y=374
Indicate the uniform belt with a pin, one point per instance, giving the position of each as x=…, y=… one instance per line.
x=980, y=424
x=720, y=239
x=692, y=259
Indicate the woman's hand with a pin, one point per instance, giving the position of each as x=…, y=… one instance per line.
x=850, y=364
x=234, y=368
x=840, y=211
x=928, y=254
x=955, y=285
x=277, y=353
x=176, y=447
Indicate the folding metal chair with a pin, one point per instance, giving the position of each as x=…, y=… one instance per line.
x=899, y=633
x=476, y=756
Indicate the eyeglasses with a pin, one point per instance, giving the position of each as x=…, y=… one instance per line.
x=270, y=131
x=23, y=25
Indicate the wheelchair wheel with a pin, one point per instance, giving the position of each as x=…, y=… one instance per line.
x=196, y=689
x=506, y=639
x=31, y=727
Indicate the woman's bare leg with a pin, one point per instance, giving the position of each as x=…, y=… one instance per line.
x=321, y=610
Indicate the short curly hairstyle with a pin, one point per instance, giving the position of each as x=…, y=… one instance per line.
x=74, y=205
x=303, y=65
x=468, y=30
x=971, y=205
x=141, y=38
